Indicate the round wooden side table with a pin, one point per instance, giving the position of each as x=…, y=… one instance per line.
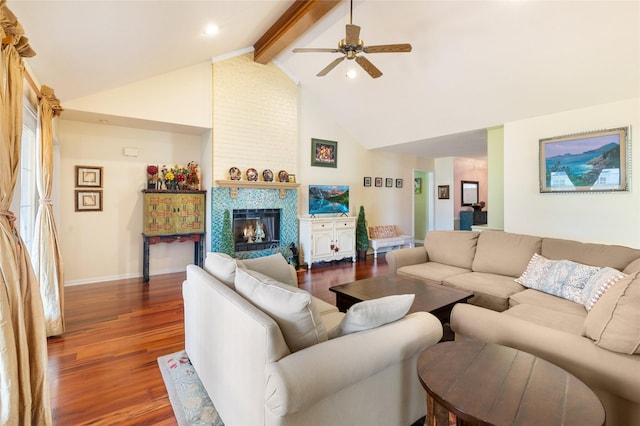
x=488, y=384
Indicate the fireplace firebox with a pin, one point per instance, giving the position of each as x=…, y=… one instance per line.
x=256, y=229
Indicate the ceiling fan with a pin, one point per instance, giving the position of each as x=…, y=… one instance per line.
x=351, y=46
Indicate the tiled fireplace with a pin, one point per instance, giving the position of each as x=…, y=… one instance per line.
x=252, y=203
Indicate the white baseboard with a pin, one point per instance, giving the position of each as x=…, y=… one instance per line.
x=102, y=279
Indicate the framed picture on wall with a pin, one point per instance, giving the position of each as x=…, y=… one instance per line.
x=378, y=182
x=417, y=185
x=367, y=181
x=324, y=153
x=388, y=182
x=443, y=192
x=89, y=176
x=585, y=162
x=398, y=183
x=88, y=201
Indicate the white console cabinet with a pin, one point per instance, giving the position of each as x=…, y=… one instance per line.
x=327, y=238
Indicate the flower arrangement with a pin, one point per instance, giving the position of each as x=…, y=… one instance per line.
x=175, y=177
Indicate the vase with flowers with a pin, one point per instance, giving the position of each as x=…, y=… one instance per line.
x=478, y=206
x=152, y=177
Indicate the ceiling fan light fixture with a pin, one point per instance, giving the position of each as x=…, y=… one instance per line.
x=352, y=45
x=351, y=73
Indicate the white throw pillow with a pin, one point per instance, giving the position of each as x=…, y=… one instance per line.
x=292, y=308
x=373, y=313
x=222, y=266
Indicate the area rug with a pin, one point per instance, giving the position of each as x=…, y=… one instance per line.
x=190, y=402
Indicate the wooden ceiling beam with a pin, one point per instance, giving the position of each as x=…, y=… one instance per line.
x=292, y=24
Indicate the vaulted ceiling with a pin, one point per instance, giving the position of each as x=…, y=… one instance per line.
x=474, y=64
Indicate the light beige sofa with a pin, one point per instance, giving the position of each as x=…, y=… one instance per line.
x=601, y=346
x=254, y=378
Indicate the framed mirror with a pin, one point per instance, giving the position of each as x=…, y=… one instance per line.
x=469, y=191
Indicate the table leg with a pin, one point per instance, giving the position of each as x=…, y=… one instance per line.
x=437, y=415
x=145, y=259
x=198, y=251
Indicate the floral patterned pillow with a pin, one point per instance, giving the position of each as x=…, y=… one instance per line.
x=599, y=284
x=562, y=278
x=535, y=271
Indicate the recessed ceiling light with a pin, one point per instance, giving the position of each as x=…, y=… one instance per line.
x=211, y=30
x=351, y=73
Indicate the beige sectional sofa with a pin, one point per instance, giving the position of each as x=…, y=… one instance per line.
x=600, y=346
x=258, y=372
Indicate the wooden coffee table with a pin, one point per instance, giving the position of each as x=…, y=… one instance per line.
x=435, y=299
x=488, y=384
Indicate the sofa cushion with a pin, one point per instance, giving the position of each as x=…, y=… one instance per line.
x=564, y=321
x=292, y=308
x=538, y=298
x=455, y=248
x=614, y=321
x=489, y=290
x=617, y=257
x=504, y=253
x=432, y=272
x=373, y=313
x=222, y=266
x=632, y=267
x=599, y=284
x=274, y=266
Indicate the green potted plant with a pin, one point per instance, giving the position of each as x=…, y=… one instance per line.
x=362, y=236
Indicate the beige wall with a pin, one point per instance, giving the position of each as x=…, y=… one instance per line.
x=99, y=246
x=276, y=133
x=593, y=217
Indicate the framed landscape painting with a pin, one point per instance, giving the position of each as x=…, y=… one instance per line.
x=586, y=162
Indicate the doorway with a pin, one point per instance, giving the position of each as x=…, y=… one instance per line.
x=422, y=200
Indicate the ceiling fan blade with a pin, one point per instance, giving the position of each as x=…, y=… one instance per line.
x=311, y=49
x=353, y=35
x=368, y=67
x=388, y=48
x=331, y=66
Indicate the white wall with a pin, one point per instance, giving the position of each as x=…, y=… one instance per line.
x=100, y=246
x=591, y=217
x=444, y=209
x=383, y=206
x=181, y=97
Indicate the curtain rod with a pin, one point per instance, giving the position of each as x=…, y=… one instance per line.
x=32, y=83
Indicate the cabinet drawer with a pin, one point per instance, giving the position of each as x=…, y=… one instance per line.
x=321, y=226
x=340, y=224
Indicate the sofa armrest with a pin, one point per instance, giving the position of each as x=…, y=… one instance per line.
x=406, y=256
x=305, y=377
x=598, y=368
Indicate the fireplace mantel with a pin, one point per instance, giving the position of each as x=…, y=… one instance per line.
x=233, y=186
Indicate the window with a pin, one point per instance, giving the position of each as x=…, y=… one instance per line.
x=28, y=193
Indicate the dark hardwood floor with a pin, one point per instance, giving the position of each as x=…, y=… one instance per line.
x=103, y=370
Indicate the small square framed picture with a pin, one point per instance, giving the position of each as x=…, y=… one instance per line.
x=378, y=182
x=89, y=176
x=398, y=183
x=88, y=201
x=367, y=181
x=388, y=183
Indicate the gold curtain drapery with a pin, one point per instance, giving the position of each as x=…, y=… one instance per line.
x=24, y=386
x=45, y=249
